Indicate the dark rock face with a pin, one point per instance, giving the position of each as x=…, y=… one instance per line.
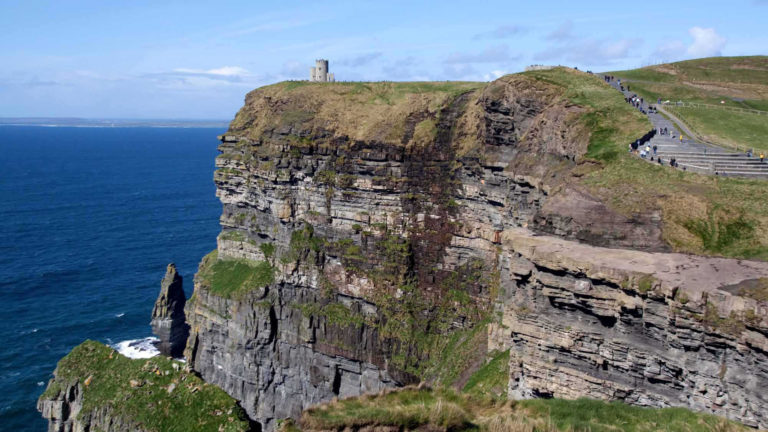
x=168, y=321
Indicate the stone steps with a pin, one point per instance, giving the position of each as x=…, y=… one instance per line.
x=696, y=156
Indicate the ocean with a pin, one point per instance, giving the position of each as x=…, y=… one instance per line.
x=89, y=219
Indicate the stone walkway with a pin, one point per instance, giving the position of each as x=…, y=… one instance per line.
x=693, y=155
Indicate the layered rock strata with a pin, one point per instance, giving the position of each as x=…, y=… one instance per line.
x=387, y=227
x=168, y=320
x=649, y=329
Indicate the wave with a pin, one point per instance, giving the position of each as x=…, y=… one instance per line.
x=138, y=348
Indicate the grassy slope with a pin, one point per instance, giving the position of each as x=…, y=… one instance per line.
x=370, y=111
x=447, y=410
x=700, y=214
x=736, y=81
x=192, y=405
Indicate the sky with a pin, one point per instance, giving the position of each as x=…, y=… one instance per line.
x=153, y=59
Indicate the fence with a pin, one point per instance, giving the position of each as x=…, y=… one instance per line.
x=720, y=107
x=678, y=116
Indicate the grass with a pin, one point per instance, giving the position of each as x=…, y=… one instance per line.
x=598, y=416
x=729, y=129
x=191, y=404
x=234, y=277
x=492, y=378
x=364, y=111
x=447, y=410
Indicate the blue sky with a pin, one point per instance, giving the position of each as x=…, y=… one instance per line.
x=197, y=60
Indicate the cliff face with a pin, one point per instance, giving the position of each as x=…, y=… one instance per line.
x=63, y=412
x=371, y=233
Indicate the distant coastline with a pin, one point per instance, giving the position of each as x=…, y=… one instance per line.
x=107, y=123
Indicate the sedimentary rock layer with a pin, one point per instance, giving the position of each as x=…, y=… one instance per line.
x=387, y=221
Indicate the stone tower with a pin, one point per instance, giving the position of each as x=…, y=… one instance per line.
x=319, y=73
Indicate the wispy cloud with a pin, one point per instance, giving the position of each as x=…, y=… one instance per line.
x=502, y=32
x=360, y=60
x=225, y=73
x=404, y=68
x=563, y=33
x=494, y=54
x=199, y=78
x=590, y=51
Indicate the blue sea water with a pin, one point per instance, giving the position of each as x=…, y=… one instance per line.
x=89, y=219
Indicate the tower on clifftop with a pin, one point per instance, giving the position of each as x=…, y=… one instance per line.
x=319, y=73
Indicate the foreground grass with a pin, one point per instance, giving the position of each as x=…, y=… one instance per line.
x=700, y=214
x=162, y=398
x=444, y=410
x=234, y=277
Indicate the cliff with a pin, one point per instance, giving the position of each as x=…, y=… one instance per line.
x=493, y=238
x=376, y=235
x=95, y=388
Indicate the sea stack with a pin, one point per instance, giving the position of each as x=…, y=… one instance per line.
x=168, y=322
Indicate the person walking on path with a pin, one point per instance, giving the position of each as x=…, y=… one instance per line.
x=655, y=148
x=762, y=157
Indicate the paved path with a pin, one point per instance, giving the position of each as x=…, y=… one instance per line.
x=694, y=155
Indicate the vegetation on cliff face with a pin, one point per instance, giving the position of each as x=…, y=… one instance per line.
x=154, y=394
x=700, y=214
x=445, y=410
x=234, y=277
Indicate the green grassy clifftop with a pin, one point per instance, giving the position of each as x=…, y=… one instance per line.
x=150, y=395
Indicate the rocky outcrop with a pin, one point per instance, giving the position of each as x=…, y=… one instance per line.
x=168, y=320
x=95, y=388
x=649, y=329
x=63, y=412
x=378, y=229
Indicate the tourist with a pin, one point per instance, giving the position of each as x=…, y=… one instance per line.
x=762, y=156
x=655, y=148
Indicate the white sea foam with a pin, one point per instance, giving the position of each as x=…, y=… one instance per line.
x=138, y=348
x=40, y=383
x=120, y=315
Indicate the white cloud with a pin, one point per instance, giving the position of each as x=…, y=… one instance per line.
x=706, y=42
x=225, y=71
x=492, y=75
